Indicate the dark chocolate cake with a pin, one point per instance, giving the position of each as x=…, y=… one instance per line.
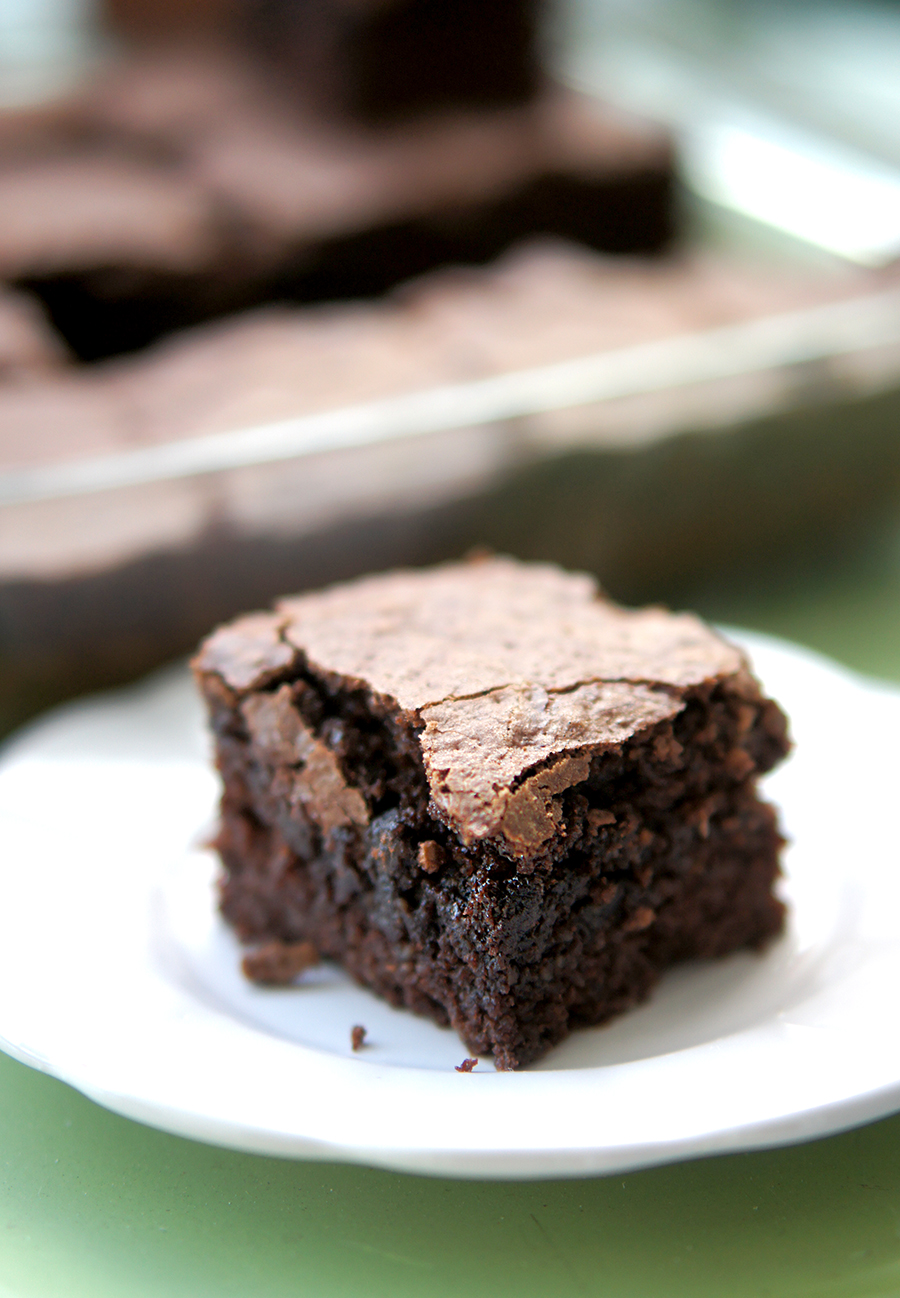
x=492, y=795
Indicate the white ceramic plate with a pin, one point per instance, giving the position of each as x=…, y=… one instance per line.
x=117, y=975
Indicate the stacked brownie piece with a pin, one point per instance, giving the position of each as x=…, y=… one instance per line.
x=496, y=798
x=377, y=59
x=184, y=184
x=369, y=60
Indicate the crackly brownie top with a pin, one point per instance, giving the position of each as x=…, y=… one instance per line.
x=512, y=675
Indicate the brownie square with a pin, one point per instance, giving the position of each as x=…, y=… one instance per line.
x=492, y=795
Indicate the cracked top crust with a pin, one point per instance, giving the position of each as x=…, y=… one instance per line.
x=425, y=636
x=512, y=675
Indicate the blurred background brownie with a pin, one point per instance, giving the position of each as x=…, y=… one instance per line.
x=164, y=20
x=376, y=59
x=98, y=585
x=544, y=301
x=366, y=59
x=181, y=187
x=28, y=344
x=198, y=245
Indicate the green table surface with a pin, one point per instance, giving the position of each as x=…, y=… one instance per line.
x=92, y=1204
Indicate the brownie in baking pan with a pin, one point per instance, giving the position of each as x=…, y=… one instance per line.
x=171, y=20
x=492, y=795
x=28, y=344
x=365, y=59
x=376, y=59
x=176, y=189
x=100, y=589
x=543, y=302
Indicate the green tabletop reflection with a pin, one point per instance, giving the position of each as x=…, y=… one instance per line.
x=92, y=1204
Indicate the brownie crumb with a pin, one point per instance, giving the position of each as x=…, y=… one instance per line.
x=431, y=857
x=466, y=1066
x=642, y=918
x=598, y=817
x=275, y=964
x=478, y=554
x=357, y=1037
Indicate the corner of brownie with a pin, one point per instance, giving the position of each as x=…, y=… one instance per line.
x=491, y=794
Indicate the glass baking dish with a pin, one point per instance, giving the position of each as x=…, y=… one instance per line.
x=654, y=463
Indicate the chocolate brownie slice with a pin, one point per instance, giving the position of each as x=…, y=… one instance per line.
x=492, y=795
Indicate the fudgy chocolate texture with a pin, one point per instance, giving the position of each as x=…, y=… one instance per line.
x=495, y=797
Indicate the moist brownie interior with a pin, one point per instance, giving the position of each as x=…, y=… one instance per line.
x=493, y=796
